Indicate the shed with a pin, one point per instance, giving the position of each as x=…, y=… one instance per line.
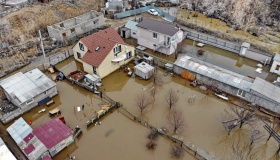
x=93, y=79
x=22, y=134
x=26, y=90
x=19, y=130
x=55, y=135
x=144, y=70
x=129, y=30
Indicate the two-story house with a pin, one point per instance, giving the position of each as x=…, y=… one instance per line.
x=103, y=52
x=158, y=35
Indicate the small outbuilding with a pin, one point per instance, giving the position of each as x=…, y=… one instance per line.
x=144, y=70
x=55, y=135
x=129, y=30
x=275, y=67
x=30, y=145
x=93, y=79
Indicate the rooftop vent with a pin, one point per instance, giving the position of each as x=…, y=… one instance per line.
x=97, y=48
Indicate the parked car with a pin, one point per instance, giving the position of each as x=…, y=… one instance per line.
x=153, y=12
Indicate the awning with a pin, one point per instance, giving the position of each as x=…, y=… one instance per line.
x=120, y=58
x=44, y=101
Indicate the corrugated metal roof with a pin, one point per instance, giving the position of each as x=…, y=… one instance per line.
x=46, y=157
x=19, y=130
x=158, y=26
x=52, y=132
x=215, y=72
x=267, y=89
x=23, y=87
x=131, y=25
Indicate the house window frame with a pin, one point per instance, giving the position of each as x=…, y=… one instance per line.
x=79, y=56
x=94, y=70
x=128, y=55
x=241, y=93
x=117, y=50
x=81, y=46
x=29, y=101
x=154, y=35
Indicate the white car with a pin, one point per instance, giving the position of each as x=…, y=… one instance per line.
x=153, y=12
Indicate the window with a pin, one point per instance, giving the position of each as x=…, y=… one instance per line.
x=117, y=50
x=128, y=55
x=46, y=92
x=133, y=33
x=94, y=70
x=241, y=93
x=29, y=101
x=155, y=35
x=79, y=55
x=61, y=25
x=277, y=67
x=81, y=47
x=72, y=30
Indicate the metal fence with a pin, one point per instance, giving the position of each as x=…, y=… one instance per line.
x=214, y=41
x=144, y=9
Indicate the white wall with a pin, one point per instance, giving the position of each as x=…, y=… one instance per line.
x=273, y=67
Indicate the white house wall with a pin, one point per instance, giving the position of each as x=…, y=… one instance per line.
x=146, y=39
x=76, y=49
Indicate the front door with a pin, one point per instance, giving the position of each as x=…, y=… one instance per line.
x=123, y=34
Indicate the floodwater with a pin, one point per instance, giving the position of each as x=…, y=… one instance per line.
x=225, y=59
x=216, y=56
x=120, y=138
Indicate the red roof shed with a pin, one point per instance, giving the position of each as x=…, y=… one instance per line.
x=52, y=133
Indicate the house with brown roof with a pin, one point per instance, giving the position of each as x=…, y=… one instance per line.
x=158, y=35
x=103, y=52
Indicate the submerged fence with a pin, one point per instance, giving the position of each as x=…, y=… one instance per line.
x=186, y=146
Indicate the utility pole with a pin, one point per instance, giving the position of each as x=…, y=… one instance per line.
x=42, y=46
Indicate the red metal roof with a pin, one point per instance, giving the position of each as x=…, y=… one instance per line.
x=29, y=149
x=105, y=40
x=52, y=132
x=47, y=157
x=28, y=137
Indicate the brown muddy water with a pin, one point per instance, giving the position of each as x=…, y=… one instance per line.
x=216, y=56
x=120, y=138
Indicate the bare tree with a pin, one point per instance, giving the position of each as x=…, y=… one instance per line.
x=274, y=127
x=151, y=145
x=255, y=135
x=176, y=119
x=177, y=151
x=142, y=101
x=242, y=152
x=237, y=116
x=172, y=97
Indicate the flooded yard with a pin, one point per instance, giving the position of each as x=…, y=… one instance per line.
x=121, y=138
